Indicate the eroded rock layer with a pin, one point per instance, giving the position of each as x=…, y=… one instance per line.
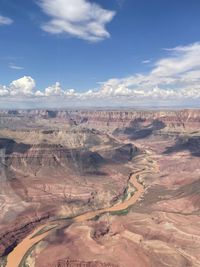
x=55, y=165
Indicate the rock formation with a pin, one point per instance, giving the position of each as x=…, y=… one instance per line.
x=57, y=164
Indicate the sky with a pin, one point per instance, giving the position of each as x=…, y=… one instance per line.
x=71, y=53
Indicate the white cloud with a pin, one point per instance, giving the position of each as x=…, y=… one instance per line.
x=5, y=20
x=174, y=79
x=176, y=76
x=15, y=67
x=146, y=61
x=183, y=59
x=71, y=93
x=38, y=93
x=54, y=90
x=79, y=18
x=4, y=91
x=23, y=86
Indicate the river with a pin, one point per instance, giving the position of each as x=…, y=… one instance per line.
x=15, y=257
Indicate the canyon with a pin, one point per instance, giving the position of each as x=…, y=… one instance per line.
x=100, y=188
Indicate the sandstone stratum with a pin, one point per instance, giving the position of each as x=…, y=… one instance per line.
x=100, y=188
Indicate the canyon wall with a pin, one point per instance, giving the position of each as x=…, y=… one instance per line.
x=108, y=119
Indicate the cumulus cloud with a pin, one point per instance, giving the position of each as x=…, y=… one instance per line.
x=23, y=86
x=79, y=18
x=38, y=93
x=54, y=90
x=4, y=91
x=5, y=20
x=173, y=79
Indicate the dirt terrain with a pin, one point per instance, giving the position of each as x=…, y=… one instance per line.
x=100, y=188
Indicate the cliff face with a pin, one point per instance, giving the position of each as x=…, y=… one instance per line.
x=117, y=119
x=108, y=119
x=43, y=159
x=57, y=164
x=56, y=173
x=11, y=235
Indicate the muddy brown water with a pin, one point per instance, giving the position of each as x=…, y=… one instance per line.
x=15, y=257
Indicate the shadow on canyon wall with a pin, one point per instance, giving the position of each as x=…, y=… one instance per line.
x=10, y=146
x=53, y=158
x=121, y=154
x=139, y=130
x=192, y=144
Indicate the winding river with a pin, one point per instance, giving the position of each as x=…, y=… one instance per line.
x=15, y=258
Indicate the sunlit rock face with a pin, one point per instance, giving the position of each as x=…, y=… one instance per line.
x=55, y=165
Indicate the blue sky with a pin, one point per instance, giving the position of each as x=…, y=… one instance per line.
x=96, y=48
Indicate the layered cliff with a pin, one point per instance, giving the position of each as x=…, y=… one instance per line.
x=58, y=173
x=189, y=119
x=57, y=164
x=108, y=119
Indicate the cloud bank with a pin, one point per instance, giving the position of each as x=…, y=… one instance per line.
x=173, y=79
x=79, y=18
